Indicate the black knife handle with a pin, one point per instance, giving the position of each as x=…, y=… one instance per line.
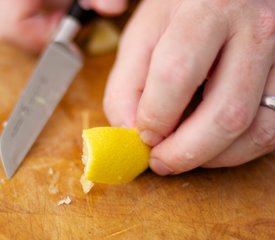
x=84, y=16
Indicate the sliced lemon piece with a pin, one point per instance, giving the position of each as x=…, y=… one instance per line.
x=113, y=155
x=104, y=38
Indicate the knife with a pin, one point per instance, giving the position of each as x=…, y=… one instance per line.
x=56, y=69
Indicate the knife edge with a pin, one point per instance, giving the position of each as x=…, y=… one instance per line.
x=54, y=72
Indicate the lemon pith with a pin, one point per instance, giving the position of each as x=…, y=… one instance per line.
x=113, y=155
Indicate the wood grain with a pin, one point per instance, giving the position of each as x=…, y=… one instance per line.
x=236, y=203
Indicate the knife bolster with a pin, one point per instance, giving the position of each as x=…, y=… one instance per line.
x=68, y=29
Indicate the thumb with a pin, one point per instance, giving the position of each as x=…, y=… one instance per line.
x=107, y=7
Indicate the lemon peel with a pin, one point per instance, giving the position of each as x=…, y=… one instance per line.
x=113, y=155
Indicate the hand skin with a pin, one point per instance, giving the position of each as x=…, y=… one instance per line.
x=24, y=23
x=168, y=49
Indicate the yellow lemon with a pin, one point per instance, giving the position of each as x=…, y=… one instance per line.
x=104, y=38
x=113, y=155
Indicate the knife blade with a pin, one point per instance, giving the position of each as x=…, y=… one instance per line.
x=56, y=69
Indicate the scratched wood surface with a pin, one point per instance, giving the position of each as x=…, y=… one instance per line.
x=236, y=203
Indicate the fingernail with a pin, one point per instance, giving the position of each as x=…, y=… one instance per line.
x=113, y=6
x=150, y=138
x=106, y=5
x=86, y=4
x=159, y=167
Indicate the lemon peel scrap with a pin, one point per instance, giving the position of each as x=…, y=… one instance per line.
x=67, y=200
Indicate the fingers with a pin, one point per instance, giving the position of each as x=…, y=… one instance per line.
x=180, y=63
x=258, y=140
x=29, y=8
x=35, y=32
x=57, y=4
x=107, y=7
x=226, y=111
x=24, y=8
x=127, y=79
x=40, y=30
x=26, y=27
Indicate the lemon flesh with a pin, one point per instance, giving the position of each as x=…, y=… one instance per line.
x=113, y=155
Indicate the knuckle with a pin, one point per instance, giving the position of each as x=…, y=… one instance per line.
x=182, y=161
x=233, y=118
x=263, y=135
x=266, y=23
x=175, y=70
x=149, y=119
x=221, y=4
x=229, y=6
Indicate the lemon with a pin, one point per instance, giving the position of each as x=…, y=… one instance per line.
x=104, y=38
x=113, y=155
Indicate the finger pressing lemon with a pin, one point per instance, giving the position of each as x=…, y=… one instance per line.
x=112, y=156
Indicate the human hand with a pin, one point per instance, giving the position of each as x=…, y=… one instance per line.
x=167, y=51
x=26, y=24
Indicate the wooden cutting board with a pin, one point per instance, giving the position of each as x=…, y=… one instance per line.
x=236, y=203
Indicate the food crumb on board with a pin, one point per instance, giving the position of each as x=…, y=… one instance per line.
x=67, y=200
x=185, y=184
x=53, y=189
x=5, y=124
x=2, y=181
x=50, y=171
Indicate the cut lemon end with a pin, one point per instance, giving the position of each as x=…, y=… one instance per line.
x=113, y=155
x=104, y=39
